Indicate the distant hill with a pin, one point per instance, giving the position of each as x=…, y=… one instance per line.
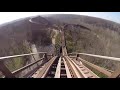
x=88, y=20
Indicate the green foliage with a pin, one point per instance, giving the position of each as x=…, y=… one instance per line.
x=70, y=46
x=101, y=75
x=69, y=42
x=16, y=63
x=57, y=43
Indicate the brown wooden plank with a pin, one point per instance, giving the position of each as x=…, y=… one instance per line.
x=74, y=72
x=115, y=74
x=58, y=69
x=67, y=69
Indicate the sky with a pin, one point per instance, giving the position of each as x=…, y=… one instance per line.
x=10, y=16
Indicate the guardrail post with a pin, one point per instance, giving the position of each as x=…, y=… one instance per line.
x=45, y=58
x=52, y=55
x=6, y=71
x=77, y=56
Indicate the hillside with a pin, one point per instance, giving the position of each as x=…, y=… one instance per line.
x=87, y=20
x=17, y=37
x=102, y=37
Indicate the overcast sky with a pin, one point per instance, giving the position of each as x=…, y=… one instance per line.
x=10, y=16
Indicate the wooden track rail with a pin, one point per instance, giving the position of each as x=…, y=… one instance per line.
x=104, y=71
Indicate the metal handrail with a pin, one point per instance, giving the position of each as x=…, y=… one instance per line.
x=98, y=56
x=21, y=55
